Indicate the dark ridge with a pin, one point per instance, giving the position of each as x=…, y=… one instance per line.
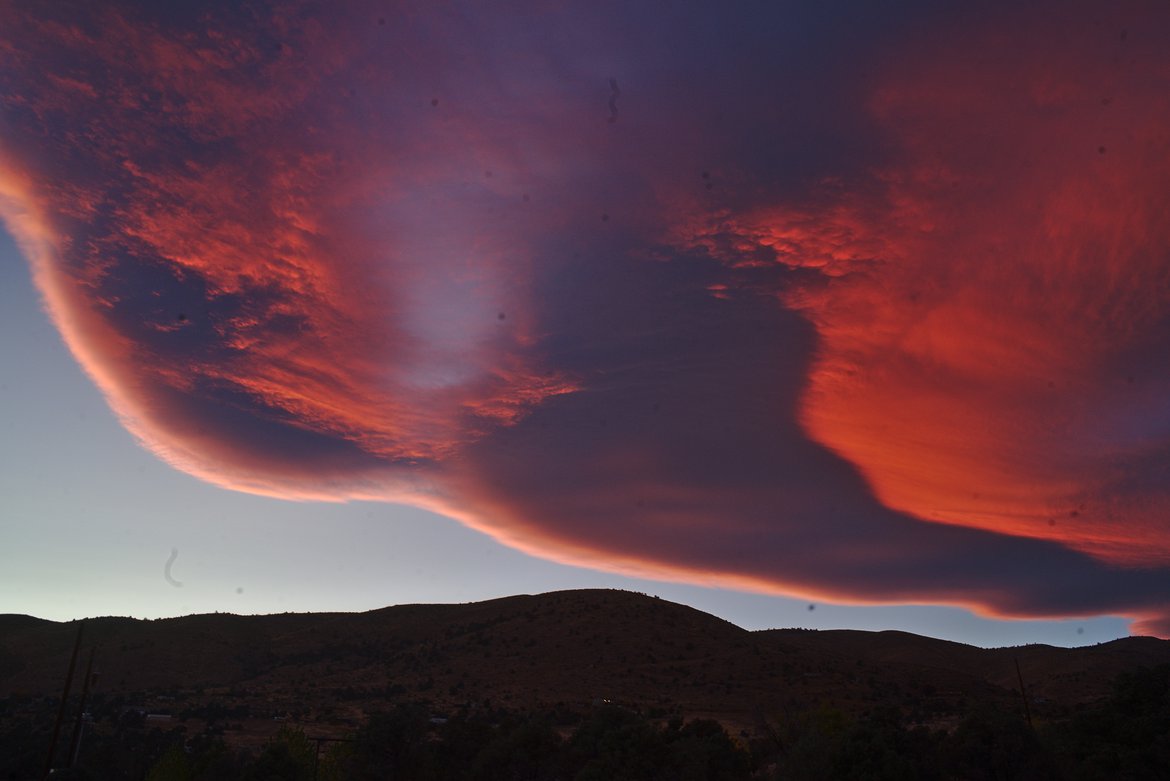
x=563, y=649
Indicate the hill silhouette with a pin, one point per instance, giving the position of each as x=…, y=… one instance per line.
x=568, y=649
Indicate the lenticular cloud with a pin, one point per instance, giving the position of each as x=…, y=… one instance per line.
x=795, y=315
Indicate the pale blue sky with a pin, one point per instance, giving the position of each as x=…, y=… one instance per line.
x=88, y=520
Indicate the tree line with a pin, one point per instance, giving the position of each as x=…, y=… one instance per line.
x=1124, y=736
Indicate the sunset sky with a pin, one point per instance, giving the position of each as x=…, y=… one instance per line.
x=802, y=315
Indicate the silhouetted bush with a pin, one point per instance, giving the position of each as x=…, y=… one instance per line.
x=1125, y=737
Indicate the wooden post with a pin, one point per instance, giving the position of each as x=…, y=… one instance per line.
x=1024, y=694
x=64, y=700
x=75, y=740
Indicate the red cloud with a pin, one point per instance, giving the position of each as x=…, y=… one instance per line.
x=870, y=328
x=227, y=241
x=994, y=365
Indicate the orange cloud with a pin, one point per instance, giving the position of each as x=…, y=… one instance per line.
x=994, y=366
x=207, y=258
x=869, y=327
x=990, y=299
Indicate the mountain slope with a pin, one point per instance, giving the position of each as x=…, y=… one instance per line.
x=559, y=650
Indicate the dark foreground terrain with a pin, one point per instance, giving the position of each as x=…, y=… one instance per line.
x=572, y=685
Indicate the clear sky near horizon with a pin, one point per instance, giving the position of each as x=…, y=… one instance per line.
x=804, y=315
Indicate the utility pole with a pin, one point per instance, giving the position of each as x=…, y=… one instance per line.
x=1024, y=694
x=78, y=725
x=64, y=700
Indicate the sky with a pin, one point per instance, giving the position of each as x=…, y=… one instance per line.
x=801, y=315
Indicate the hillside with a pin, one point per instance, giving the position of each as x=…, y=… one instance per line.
x=563, y=650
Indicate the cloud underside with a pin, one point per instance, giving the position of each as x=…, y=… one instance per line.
x=868, y=310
